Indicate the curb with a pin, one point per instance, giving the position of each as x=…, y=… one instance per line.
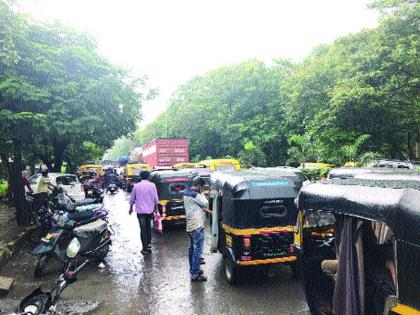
x=8, y=251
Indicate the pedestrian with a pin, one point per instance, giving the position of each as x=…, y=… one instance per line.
x=196, y=205
x=145, y=197
x=25, y=183
x=42, y=189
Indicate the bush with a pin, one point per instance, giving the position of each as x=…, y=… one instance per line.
x=316, y=173
x=3, y=189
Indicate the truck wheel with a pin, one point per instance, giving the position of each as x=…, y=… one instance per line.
x=231, y=271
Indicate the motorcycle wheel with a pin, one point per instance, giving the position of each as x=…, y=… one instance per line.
x=48, y=264
x=36, y=235
x=102, y=253
x=42, y=263
x=41, y=302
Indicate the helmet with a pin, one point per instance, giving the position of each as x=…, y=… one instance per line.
x=198, y=181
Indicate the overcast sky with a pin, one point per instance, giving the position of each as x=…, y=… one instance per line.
x=171, y=41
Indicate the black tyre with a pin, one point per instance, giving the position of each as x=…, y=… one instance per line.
x=295, y=270
x=102, y=252
x=231, y=271
x=43, y=261
x=36, y=235
x=41, y=302
x=48, y=264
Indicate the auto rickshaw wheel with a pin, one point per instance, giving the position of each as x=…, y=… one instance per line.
x=295, y=270
x=231, y=271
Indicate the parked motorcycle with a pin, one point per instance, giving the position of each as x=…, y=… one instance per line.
x=39, y=302
x=93, y=192
x=93, y=239
x=63, y=206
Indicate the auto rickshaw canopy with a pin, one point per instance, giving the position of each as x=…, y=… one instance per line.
x=220, y=164
x=259, y=183
x=92, y=167
x=137, y=166
x=351, y=172
x=390, y=198
x=179, y=166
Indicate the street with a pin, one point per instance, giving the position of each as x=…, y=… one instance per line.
x=158, y=283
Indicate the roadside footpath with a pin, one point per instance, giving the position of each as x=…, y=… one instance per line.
x=12, y=237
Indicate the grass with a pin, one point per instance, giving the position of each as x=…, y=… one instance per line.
x=3, y=189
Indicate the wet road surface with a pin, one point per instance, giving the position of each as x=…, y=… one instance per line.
x=158, y=283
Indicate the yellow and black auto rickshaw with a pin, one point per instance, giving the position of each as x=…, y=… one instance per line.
x=359, y=236
x=91, y=167
x=183, y=165
x=132, y=174
x=170, y=186
x=221, y=164
x=253, y=218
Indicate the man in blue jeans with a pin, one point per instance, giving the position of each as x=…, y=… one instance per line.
x=195, y=207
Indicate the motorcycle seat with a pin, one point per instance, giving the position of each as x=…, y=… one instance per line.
x=82, y=206
x=94, y=226
x=92, y=207
x=84, y=202
x=81, y=216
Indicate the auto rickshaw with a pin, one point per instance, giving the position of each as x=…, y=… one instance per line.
x=204, y=173
x=132, y=174
x=170, y=186
x=357, y=172
x=221, y=164
x=97, y=168
x=360, y=244
x=253, y=218
x=180, y=166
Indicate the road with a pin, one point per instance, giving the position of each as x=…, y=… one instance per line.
x=158, y=283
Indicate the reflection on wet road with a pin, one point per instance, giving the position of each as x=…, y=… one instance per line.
x=159, y=283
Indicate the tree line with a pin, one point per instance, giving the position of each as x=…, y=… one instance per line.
x=60, y=99
x=355, y=99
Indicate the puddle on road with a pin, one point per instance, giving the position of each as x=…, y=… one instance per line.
x=159, y=283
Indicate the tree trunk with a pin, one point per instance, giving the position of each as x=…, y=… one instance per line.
x=59, y=149
x=17, y=186
x=411, y=146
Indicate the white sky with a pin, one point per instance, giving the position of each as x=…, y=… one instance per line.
x=171, y=41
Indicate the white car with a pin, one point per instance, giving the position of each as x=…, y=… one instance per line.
x=69, y=182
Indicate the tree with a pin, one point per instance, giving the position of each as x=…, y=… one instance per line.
x=59, y=99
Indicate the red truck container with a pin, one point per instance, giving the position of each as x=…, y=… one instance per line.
x=166, y=152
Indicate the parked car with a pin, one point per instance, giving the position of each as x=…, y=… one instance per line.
x=393, y=164
x=69, y=182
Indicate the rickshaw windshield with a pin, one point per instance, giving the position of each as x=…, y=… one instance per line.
x=136, y=171
x=318, y=218
x=225, y=168
x=177, y=188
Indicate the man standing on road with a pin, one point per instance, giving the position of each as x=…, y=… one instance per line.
x=145, y=196
x=195, y=207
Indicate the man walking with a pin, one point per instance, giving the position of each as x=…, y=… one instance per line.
x=195, y=207
x=145, y=196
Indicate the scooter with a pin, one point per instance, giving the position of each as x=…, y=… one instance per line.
x=113, y=188
x=93, y=240
x=39, y=302
x=94, y=192
x=46, y=217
